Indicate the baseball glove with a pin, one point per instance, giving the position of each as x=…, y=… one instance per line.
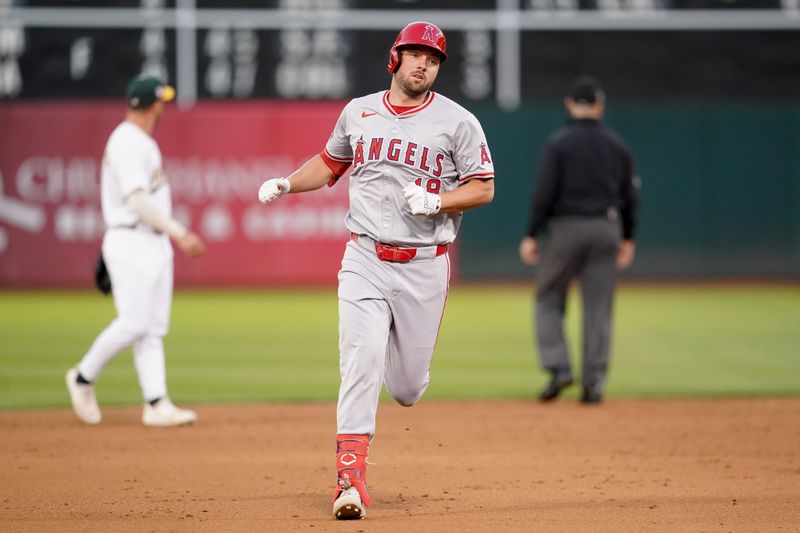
x=101, y=278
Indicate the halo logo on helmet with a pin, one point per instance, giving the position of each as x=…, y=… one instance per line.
x=428, y=35
x=420, y=34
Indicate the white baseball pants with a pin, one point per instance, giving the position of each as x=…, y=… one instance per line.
x=139, y=262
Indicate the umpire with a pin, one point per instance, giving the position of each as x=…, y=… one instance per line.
x=584, y=201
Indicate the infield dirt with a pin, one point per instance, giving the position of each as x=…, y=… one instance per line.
x=626, y=465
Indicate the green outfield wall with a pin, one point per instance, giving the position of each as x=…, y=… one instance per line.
x=720, y=196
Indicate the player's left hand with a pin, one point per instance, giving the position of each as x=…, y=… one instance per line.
x=421, y=201
x=627, y=249
x=191, y=244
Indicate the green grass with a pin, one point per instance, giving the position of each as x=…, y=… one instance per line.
x=281, y=345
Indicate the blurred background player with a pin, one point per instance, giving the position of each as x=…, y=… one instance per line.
x=586, y=197
x=419, y=160
x=137, y=209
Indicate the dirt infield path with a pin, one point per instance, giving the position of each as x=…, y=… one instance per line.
x=628, y=465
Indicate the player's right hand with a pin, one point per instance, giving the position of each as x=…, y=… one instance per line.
x=273, y=188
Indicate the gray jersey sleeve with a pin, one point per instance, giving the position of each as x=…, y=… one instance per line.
x=338, y=151
x=471, y=152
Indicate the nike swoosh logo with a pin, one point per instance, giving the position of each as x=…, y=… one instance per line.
x=364, y=114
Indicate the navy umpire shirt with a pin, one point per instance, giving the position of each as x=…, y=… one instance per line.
x=586, y=170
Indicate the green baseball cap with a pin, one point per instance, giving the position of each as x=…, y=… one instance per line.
x=143, y=90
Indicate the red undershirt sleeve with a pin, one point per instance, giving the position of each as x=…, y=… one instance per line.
x=337, y=166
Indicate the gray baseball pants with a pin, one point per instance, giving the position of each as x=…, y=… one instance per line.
x=389, y=317
x=583, y=248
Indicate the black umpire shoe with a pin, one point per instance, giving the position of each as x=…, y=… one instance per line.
x=591, y=396
x=558, y=382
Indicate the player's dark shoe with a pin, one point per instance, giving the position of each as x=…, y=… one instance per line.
x=558, y=382
x=591, y=396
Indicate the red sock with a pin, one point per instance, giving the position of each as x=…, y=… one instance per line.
x=351, y=465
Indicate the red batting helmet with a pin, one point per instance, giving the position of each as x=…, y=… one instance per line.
x=420, y=34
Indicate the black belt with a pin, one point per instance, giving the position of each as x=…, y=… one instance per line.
x=136, y=226
x=611, y=213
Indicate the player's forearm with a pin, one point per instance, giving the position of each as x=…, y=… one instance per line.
x=312, y=175
x=148, y=213
x=474, y=193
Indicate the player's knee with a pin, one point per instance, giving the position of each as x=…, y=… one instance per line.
x=406, y=401
x=408, y=396
x=131, y=328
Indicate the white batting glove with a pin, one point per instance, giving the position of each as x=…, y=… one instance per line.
x=273, y=188
x=421, y=201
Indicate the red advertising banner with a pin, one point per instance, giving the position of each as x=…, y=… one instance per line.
x=216, y=157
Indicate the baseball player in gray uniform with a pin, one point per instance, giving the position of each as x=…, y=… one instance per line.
x=419, y=160
x=137, y=208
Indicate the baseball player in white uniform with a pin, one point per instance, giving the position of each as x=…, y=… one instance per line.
x=137, y=208
x=418, y=161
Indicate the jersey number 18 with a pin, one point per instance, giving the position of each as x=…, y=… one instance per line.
x=433, y=185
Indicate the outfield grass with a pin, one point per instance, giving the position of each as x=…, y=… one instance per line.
x=281, y=345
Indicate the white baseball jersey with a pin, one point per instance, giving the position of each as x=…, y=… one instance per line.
x=131, y=161
x=438, y=144
x=139, y=261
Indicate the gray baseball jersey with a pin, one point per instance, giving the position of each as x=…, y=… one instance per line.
x=390, y=309
x=438, y=144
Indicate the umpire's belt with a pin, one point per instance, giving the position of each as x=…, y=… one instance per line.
x=397, y=254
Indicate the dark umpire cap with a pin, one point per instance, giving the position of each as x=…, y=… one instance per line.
x=586, y=90
x=143, y=90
